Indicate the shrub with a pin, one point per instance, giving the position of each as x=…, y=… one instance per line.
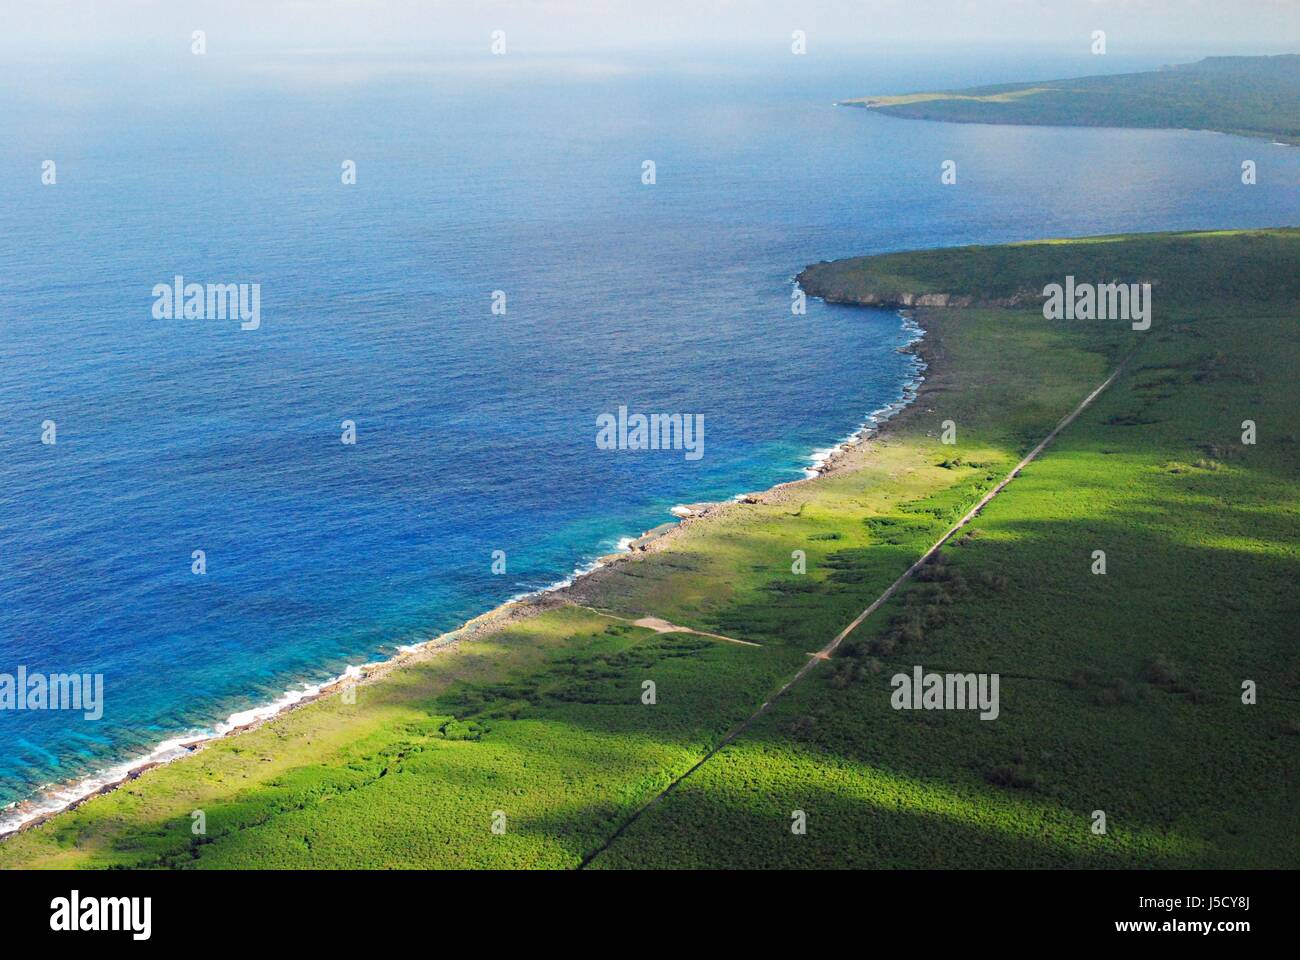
x=1159, y=671
x=1012, y=775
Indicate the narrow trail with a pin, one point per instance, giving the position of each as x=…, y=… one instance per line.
x=825, y=652
x=659, y=625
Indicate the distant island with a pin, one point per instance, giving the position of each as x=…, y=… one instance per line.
x=523, y=739
x=1250, y=96
x=751, y=688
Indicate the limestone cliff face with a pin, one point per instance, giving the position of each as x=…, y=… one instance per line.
x=818, y=282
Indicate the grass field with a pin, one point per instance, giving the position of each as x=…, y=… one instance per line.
x=1119, y=693
x=1252, y=96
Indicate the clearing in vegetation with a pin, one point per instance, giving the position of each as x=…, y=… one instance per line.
x=1119, y=693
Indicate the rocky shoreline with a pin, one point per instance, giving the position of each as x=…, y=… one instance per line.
x=813, y=281
x=584, y=589
x=846, y=456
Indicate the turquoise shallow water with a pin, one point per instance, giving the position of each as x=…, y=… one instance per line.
x=476, y=431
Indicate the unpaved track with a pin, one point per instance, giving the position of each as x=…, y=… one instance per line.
x=663, y=626
x=825, y=652
x=659, y=625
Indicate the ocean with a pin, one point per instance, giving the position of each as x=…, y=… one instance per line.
x=475, y=475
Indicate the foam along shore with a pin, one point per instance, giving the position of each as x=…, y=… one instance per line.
x=823, y=459
x=587, y=774
x=56, y=798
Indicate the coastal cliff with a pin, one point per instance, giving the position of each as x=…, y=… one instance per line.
x=567, y=718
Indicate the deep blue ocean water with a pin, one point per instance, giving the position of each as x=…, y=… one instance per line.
x=476, y=432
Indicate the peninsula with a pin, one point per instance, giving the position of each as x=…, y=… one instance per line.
x=1251, y=96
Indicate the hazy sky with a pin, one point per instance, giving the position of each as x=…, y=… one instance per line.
x=452, y=27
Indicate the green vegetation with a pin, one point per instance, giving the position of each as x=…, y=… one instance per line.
x=1185, y=269
x=1252, y=96
x=541, y=720
x=1118, y=692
